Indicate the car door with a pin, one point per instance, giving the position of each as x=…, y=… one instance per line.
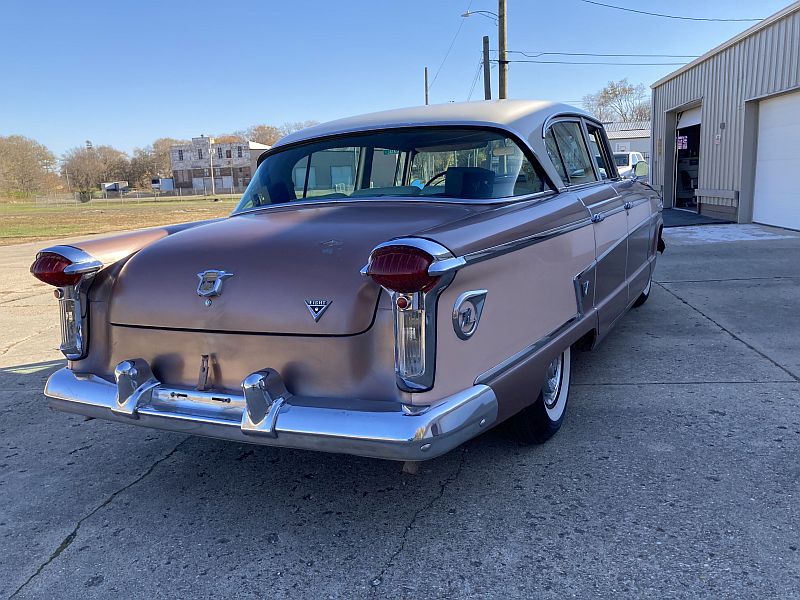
x=635, y=200
x=566, y=145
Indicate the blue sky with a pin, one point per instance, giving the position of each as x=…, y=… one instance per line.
x=125, y=73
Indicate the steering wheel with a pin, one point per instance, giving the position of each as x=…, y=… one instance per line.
x=435, y=177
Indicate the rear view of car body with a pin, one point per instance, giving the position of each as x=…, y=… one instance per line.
x=395, y=328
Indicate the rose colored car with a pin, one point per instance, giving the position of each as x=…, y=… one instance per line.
x=390, y=285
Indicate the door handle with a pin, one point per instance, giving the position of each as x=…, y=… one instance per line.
x=628, y=205
x=597, y=217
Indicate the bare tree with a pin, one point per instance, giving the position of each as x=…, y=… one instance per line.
x=26, y=166
x=269, y=134
x=89, y=166
x=291, y=127
x=263, y=134
x=619, y=101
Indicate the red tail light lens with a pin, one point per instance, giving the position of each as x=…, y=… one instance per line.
x=49, y=267
x=401, y=269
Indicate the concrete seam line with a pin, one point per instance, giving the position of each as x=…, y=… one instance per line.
x=776, y=278
x=730, y=333
x=427, y=506
x=67, y=541
x=634, y=383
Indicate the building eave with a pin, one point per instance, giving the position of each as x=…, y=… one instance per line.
x=792, y=8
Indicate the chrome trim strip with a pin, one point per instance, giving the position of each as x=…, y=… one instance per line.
x=512, y=361
x=379, y=429
x=602, y=202
x=456, y=263
x=536, y=238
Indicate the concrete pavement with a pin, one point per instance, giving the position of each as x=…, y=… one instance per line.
x=676, y=474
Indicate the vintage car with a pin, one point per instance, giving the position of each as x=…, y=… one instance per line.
x=390, y=285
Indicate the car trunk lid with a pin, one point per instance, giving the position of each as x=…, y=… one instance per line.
x=293, y=270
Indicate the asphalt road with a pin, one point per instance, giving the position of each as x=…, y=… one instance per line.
x=676, y=474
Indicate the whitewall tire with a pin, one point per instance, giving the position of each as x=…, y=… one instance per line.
x=541, y=420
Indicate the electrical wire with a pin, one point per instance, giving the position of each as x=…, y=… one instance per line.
x=538, y=54
x=452, y=43
x=652, y=14
x=475, y=80
x=625, y=64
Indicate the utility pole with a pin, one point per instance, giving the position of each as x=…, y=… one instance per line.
x=487, y=72
x=426, y=86
x=211, y=164
x=503, y=61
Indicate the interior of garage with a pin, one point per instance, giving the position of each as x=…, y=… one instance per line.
x=687, y=143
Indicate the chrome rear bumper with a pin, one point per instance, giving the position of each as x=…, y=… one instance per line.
x=265, y=413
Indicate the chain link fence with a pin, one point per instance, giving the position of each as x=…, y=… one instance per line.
x=135, y=196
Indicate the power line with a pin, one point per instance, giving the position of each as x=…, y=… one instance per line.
x=538, y=54
x=452, y=43
x=622, y=64
x=475, y=80
x=652, y=14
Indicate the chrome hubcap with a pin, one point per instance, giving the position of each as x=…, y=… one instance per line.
x=552, y=382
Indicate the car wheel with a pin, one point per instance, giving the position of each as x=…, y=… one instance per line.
x=538, y=422
x=645, y=294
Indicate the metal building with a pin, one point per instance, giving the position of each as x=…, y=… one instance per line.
x=726, y=127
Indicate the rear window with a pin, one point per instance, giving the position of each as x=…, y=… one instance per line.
x=461, y=164
x=621, y=160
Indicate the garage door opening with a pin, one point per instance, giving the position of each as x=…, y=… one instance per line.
x=687, y=145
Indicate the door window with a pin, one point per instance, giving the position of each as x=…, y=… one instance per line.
x=565, y=145
x=598, y=149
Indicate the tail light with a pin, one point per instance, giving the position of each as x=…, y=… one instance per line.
x=49, y=267
x=401, y=269
x=69, y=269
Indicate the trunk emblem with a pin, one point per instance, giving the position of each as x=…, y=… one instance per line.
x=317, y=307
x=211, y=282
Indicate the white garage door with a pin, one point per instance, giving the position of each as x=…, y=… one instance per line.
x=777, y=195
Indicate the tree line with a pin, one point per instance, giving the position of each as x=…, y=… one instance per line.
x=28, y=167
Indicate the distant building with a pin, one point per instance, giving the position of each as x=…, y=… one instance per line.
x=632, y=136
x=232, y=162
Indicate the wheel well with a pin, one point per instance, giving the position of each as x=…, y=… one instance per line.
x=586, y=341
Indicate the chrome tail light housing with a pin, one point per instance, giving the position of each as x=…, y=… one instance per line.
x=406, y=269
x=71, y=271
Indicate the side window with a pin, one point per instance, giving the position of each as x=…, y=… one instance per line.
x=566, y=139
x=324, y=173
x=598, y=149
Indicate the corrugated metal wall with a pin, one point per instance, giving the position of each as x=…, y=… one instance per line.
x=765, y=63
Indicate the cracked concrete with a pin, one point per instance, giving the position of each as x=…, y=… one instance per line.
x=675, y=474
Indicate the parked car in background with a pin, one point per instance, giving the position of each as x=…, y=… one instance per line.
x=626, y=162
x=390, y=285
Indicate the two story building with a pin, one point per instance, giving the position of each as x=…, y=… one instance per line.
x=231, y=164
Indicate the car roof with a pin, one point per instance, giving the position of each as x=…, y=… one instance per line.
x=524, y=118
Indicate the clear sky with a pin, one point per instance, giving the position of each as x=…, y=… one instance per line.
x=125, y=73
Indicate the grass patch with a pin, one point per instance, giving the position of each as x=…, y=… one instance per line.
x=22, y=222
